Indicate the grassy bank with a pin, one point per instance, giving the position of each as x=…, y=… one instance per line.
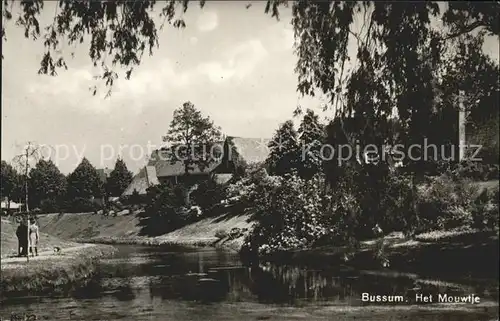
x=93, y=228
x=9, y=241
x=89, y=226
x=51, y=273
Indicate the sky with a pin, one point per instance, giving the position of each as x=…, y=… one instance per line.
x=234, y=64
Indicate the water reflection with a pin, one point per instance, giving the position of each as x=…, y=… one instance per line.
x=144, y=281
x=215, y=275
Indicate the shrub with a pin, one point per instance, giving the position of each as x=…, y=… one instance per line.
x=485, y=210
x=288, y=212
x=165, y=210
x=475, y=170
x=396, y=200
x=50, y=206
x=221, y=234
x=207, y=195
x=493, y=171
x=445, y=203
x=82, y=205
x=135, y=198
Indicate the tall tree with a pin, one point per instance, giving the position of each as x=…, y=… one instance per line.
x=469, y=69
x=119, y=178
x=84, y=181
x=192, y=138
x=47, y=185
x=284, y=156
x=311, y=137
x=9, y=178
x=18, y=192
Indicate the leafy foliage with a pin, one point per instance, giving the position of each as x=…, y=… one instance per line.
x=120, y=32
x=9, y=180
x=192, y=138
x=135, y=198
x=485, y=210
x=445, y=204
x=119, y=178
x=47, y=186
x=165, y=210
x=312, y=137
x=84, y=182
x=288, y=213
x=80, y=205
x=116, y=32
x=284, y=156
x=208, y=196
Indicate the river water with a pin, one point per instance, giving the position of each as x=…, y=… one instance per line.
x=154, y=283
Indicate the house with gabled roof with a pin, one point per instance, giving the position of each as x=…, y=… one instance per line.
x=228, y=157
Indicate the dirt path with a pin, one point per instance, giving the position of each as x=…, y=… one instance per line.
x=46, y=254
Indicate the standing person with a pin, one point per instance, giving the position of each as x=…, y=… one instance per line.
x=22, y=238
x=33, y=237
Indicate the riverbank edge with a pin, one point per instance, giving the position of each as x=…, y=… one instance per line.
x=228, y=245
x=54, y=275
x=419, y=254
x=454, y=254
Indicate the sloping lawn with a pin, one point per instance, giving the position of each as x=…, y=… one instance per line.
x=9, y=241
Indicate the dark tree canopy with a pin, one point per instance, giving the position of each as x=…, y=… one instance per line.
x=285, y=155
x=46, y=183
x=192, y=138
x=120, y=32
x=84, y=181
x=8, y=180
x=398, y=69
x=119, y=178
x=312, y=137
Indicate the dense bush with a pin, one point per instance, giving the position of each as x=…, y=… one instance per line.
x=485, y=210
x=135, y=198
x=467, y=169
x=50, y=206
x=475, y=170
x=165, y=210
x=208, y=196
x=445, y=203
x=293, y=213
x=396, y=204
x=81, y=205
x=289, y=213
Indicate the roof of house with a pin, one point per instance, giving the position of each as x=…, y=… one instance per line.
x=222, y=178
x=161, y=161
x=141, y=181
x=252, y=150
x=151, y=175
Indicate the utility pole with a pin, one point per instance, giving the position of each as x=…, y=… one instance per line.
x=26, y=167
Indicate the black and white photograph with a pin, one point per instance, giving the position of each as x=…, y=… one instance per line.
x=250, y=160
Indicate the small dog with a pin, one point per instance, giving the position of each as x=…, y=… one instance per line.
x=57, y=250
